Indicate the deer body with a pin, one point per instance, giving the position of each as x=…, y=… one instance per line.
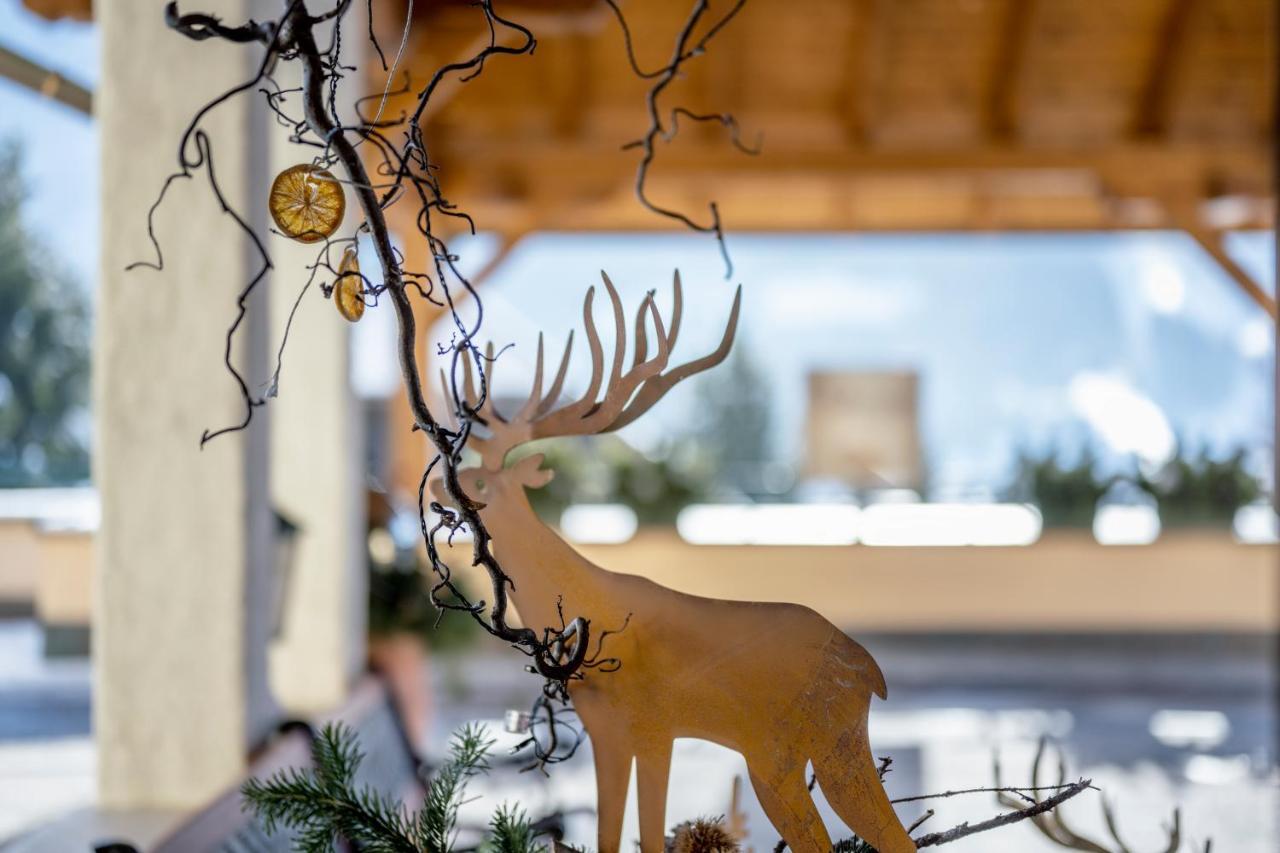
x=776, y=682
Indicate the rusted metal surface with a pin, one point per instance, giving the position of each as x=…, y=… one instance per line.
x=776, y=682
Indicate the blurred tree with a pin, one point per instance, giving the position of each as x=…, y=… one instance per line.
x=1066, y=494
x=734, y=405
x=44, y=352
x=1197, y=491
x=727, y=448
x=611, y=471
x=1190, y=490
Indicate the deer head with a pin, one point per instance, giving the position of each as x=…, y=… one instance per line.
x=605, y=406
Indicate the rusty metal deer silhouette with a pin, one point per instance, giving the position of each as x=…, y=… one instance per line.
x=776, y=682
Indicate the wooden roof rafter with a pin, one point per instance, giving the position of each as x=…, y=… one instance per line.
x=909, y=115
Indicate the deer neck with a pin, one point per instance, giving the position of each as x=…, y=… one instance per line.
x=543, y=567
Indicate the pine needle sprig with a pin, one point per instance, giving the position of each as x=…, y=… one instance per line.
x=436, y=824
x=511, y=832
x=324, y=803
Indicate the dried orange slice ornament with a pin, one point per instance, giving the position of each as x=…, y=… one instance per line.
x=307, y=203
x=348, y=290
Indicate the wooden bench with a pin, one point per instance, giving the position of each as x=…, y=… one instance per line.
x=390, y=765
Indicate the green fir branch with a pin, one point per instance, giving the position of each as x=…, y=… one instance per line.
x=511, y=832
x=324, y=803
x=438, y=820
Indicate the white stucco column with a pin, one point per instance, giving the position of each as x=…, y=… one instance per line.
x=317, y=465
x=317, y=449
x=184, y=553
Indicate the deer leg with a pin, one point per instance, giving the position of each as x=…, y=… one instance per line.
x=613, y=775
x=854, y=790
x=612, y=751
x=785, y=798
x=653, y=769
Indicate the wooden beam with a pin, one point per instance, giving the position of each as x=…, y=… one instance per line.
x=49, y=83
x=1234, y=168
x=508, y=240
x=1184, y=214
x=901, y=202
x=79, y=10
x=1151, y=115
x=1008, y=54
x=864, y=64
x=407, y=454
x=452, y=84
x=569, y=80
x=718, y=76
x=1213, y=243
x=408, y=451
x=582, y=188
x=436, y=39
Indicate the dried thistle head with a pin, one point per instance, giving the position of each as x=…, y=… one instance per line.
x=704, y=835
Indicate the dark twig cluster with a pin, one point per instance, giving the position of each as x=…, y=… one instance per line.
x=403, y=172
x=691, y=42
x=1054, y=826
x=1037, y=808
x=1023, y=800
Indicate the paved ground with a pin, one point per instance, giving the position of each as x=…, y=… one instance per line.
x=47, y=762
x=1157, y=722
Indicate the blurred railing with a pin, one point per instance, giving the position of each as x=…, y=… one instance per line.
x=908, y=566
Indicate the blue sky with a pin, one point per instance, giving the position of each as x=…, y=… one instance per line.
x=60, y=144
x=1121, y=340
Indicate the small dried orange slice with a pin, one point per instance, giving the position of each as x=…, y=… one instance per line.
x=348, y=290
x=307, y=203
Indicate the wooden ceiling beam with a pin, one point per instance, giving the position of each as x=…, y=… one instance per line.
x=1214, y=244
x=999, y=119
x=719, y=74
x=1135, y=168
x=1185, y=213
x=621, y=216
x=570, y=82
x=1151, y=115
x=441, y=34
x=863, y=72
x=424, y=66
x=982, y=189
x=507, y=241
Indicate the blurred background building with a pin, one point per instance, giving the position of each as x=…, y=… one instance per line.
x=863, y=429
x=1002, y=403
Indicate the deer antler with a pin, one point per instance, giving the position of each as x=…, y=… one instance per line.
x=1054, y=827
x=626, y=395
x=653, y=389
